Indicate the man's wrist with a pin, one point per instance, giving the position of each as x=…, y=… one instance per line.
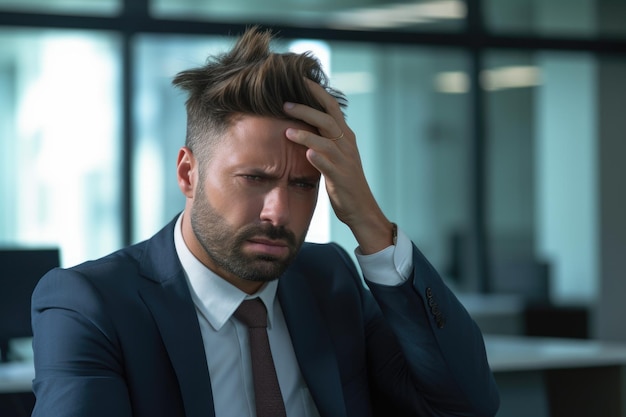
x=375, y=236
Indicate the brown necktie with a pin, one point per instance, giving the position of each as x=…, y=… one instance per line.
x=269, y=401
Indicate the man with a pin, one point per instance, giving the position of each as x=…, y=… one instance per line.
x=154, y=329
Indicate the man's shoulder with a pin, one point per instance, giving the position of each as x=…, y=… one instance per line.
x=126, y=258
x=109, y=275
x=153, y=254
x=112, y=284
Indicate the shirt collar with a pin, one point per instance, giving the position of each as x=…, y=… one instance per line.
x=216, y=298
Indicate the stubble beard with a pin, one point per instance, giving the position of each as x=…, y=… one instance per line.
x=224, y=245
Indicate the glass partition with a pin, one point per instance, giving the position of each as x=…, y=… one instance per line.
x=551, y=116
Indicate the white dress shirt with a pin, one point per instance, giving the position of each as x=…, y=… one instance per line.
x=226, y=339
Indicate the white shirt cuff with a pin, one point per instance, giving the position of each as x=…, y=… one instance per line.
x=391, y=266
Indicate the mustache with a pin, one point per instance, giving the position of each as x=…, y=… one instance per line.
x=270, y=232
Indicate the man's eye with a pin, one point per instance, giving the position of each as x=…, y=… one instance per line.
x=305, y=185
x=255, y=178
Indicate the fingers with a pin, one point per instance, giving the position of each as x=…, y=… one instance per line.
x=322, y=152
x=335, y=139
x=333, y=151
x=331, y=123
x=329, y=103
x=326, y=124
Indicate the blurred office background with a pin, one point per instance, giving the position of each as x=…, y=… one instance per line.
x=492, y=131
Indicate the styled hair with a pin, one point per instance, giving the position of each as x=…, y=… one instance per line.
x=249, y=79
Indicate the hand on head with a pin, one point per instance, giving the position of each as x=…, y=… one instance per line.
x=334, y=152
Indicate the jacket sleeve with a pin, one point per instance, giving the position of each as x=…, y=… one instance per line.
x=441, y=346
x=77, y=372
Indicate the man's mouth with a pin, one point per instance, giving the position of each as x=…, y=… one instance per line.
x=268, y=247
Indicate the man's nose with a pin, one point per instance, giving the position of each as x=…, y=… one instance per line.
x=276, y=206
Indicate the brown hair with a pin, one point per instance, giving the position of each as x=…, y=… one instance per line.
x=249, y=79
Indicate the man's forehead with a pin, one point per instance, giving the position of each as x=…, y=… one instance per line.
x=262, y=141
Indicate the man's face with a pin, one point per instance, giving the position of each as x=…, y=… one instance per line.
x=254, y=201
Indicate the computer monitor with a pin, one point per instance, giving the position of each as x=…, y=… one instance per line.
x=20, y=270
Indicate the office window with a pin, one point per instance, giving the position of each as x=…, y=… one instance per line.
x=580, y=18
x=408, y=107
x=93, y=7
x=59, y=147
x=549, y=120
x=436, y=15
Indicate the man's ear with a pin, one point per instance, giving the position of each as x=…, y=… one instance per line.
x=187, y=171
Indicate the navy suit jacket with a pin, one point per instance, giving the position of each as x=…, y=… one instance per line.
x=119, y=337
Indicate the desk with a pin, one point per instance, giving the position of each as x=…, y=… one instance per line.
x=16, y=397
x=16, y=377
x=541, y=377
x=501, y=314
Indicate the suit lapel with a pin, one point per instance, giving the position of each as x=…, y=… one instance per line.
x=312, y=344
x=171, y=305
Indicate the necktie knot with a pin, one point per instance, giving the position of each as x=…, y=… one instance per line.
x=252, y=313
